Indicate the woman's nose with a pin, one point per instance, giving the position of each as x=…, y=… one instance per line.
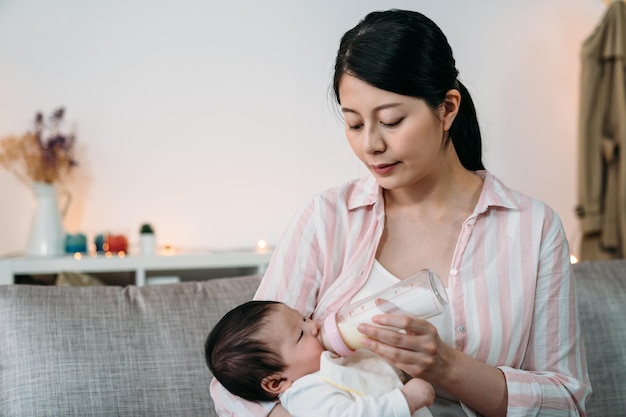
x=374, y=142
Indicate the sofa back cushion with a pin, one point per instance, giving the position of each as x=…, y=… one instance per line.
x=111, y=351
x=601, y=289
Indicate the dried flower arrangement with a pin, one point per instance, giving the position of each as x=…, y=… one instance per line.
x=44, y=155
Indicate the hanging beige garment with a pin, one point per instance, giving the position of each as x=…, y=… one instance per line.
x=602, y=136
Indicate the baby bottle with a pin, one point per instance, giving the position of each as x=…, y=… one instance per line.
x=421, y=295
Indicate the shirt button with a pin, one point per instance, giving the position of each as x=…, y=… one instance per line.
x=454, y=271
x=461, y=329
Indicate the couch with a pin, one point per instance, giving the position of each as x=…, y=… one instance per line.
x=137, y=351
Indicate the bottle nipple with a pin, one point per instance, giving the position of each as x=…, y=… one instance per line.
x=332, y=338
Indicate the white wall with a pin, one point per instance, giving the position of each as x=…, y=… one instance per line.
x=213, y=120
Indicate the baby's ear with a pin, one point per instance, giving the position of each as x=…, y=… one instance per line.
x=275, y=384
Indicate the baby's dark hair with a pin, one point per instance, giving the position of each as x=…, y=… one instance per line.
x=236, y=355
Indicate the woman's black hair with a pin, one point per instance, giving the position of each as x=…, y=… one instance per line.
x=235, y=354
x=405, y=52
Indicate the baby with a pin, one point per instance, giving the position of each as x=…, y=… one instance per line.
x=265, y=350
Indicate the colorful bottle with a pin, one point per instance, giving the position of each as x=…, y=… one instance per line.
x=421, y=295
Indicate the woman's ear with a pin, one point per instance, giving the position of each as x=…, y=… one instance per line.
x=275, y=384
x=451, y=105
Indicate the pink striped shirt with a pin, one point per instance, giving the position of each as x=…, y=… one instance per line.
x=511, y=288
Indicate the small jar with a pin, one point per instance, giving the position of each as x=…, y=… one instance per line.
x=422, y=295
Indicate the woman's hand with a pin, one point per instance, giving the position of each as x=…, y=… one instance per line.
x=420, y=352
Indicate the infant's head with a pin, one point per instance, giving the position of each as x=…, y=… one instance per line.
x=259, y=348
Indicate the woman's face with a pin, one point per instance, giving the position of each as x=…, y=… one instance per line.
x=397, y=137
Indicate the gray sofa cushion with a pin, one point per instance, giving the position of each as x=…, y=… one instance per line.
x=601, y=288
x=111, y=351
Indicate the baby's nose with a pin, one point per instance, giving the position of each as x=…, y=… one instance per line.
x=314, y=327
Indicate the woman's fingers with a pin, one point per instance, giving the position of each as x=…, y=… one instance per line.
x=413, y=351
x=412, y=327
x=412, y=362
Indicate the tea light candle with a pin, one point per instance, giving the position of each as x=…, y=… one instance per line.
x=261, y=246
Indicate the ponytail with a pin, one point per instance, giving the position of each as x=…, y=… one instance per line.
x=465, y=133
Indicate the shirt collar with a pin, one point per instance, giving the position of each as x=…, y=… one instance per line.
x=366, y=192
x=495, y=194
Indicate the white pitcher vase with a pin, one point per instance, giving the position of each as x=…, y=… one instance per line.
x=46, y=237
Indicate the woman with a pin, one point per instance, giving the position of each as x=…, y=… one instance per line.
x=509, y=343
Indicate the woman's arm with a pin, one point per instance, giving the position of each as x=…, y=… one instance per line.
x=420, y=353
x=279, y=411
x=229, y=405
x=539, y=364
x=554, y=367
x=294, y=272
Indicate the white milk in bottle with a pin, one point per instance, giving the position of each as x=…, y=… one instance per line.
x=421, y=295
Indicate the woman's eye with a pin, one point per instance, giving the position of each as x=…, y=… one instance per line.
x=392, y=124
x=355, y=126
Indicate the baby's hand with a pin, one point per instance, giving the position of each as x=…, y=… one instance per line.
x=418, y=394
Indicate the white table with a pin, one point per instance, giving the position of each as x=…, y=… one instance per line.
x=140, y=265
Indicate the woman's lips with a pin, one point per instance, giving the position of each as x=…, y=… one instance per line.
x=383, y=169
